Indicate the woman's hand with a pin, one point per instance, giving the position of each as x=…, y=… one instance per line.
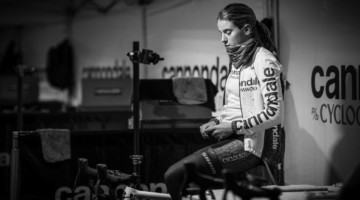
x=204, y=127
x=220, y=131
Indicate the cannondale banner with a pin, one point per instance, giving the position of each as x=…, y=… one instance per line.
x=340, y=89
x=322, y=102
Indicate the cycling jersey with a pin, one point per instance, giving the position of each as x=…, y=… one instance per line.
x=261, y=106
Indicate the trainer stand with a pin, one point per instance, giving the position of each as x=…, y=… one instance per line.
x=137, y=57
x=243, y=187
x=121, y=185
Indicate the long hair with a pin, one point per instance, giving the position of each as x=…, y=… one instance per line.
x=240, y=14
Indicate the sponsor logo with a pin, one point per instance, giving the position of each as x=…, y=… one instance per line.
x=234, y=74
x=249, y=85
x=333, y=82
x=337, y=114
x=275, y=133
x=248, y=89
x=339, y=83
x=250, y=82
x=234, y=157
x=217, y=73
x=271, y=99
x=212, y=168
x=85, y=192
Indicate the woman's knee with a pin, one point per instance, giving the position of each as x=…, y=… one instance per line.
x=177, y=171
x=167, y=175
x=174, y=172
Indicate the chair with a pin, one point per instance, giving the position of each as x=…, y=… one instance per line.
x=246, y=189
x=274, y=174
x=272, y=167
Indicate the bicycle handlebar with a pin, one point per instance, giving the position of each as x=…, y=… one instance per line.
x=102, y=173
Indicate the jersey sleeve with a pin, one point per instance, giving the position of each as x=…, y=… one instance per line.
x=269, y=73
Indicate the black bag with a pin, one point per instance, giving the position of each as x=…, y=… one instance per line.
x=60, y=64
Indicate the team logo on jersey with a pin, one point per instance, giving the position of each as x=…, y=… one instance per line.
x=271, y=99
x=249, y=85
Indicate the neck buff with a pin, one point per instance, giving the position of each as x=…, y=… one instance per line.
x=242, y=53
